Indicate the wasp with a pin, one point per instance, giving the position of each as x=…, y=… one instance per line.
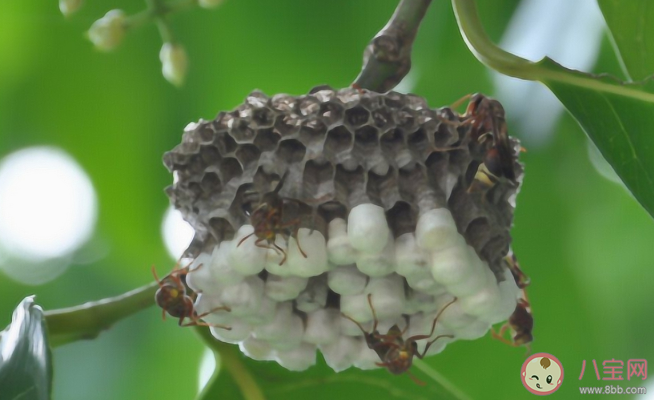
x=521, y=323
x=486, y=118
x=521, y=279
x=173, y=298
x=395, y=352
x=267, y=220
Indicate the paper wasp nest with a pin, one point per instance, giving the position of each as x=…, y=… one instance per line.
x=379, y=185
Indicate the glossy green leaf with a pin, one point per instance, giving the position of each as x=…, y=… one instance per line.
x=25, y=360
x=619, y=118
x=631, y=24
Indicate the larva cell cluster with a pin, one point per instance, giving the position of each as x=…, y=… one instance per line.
x=304, y=207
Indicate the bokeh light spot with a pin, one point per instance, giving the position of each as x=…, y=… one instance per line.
x=177, y=233
x=48, y=207
x=207, y=366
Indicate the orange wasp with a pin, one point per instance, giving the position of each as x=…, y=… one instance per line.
x=267, y=222
x=395, y=352
x=174, y=300
x=521, y=323
x=521, y=279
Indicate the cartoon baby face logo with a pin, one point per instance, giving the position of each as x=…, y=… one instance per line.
x=542, y=374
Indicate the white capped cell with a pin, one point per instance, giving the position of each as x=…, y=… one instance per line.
x=256, y=349
x=378, y=264
x=409, y=258
x=246, y=258
x=349, y=328
x=264, y=314
x=199, y=276
x=282, y=288
x=210, y=303
x=243, y=298
x=509, y=291
x=421, y=324
x=313, y=297
x=436, y=230
x=479, y=277
x=388, y=297
x=293, y=337
x=275, y=256
x=367, y=228
x=454, y=316
x=221, y=269
x=356, y=307
x=424, y=282
x=473, y=331
x=347, y=280
x=276, y=330
x=340, y=354
x=339, y=248
x=323, y=326
x=484, y=303
x=417, y=301
x=452, y=265
x=298, y=359
x=239, y=332
x=314, y=246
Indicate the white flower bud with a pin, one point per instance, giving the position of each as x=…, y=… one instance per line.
x=68, y=7
x=210, y=3
x=107, y=32
x=174, y=63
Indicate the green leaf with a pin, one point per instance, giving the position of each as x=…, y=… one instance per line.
x=617, y=116
x=221, y=385
x=25, y=359
x=241, y=378
x=632, y=27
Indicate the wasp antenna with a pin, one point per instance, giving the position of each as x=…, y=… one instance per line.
x=414, y=379
x=355, y=321
x=374, y=314
x=281, y=182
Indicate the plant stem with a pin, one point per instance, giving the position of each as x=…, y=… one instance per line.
x=86, y=321
x=230, y=359
x=545, y=71
x=387, y=58
x=440, y=379
x=158, y=10
x=482, y=47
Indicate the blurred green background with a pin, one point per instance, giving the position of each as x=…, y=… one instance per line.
x=583, y=240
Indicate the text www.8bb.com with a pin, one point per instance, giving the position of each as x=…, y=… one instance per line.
x=611, y=389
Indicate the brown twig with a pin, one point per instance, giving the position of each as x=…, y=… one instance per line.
x=387, y=58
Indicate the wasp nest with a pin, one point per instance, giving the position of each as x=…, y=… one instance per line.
x=350, y=193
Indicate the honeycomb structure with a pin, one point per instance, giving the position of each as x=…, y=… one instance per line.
x=378, y=185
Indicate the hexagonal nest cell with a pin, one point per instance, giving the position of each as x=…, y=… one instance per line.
x=304, y=207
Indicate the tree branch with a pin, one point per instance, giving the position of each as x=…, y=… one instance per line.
x=86, y=321
x=387, y=58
